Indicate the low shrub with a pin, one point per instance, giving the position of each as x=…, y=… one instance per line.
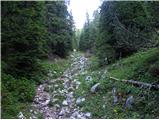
x=14, y=92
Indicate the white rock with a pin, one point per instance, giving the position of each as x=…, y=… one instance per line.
x=114, y=91
x=56, y=105
x=31, y=110
x=21, y=116
x=71, y=56
x=79, y=100
x=54, y=72
x=62, y=112
x=115, y=99
x=35, y=112
x=83, y=99
x=46, y=102
x=94, y=88
x=69, y=100
x=34, y=117
x=54, y=100
x=79, y=116
x=75, y=114
x=72, y=117
x=88, y=114
x=103, y=106
x=78, y=83
x=65, y=102
x=129, y=102
x=55, y=85
x=88, y=78
x=77, y=86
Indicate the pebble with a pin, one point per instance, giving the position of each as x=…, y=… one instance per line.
x=88, y=114
x=56, y=105
x=21, y=116
x=35, y=113
x=88, y=78
x=83, y=99
x=62, y=112
x=56, y=85
x=64, y=102
x=79, y=100
x=34, y=117
x=103, y=106
x=94, y=88
x=31, y=110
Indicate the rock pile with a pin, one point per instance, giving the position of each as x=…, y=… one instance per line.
x=59, y=100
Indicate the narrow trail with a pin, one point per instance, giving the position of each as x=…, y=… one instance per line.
x=56, y=99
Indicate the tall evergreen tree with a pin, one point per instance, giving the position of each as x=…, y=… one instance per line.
x=126, y=27
x=89, y=33
x=59, y=24
x=22, y=36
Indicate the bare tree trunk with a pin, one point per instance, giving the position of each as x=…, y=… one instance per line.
x=139, y=84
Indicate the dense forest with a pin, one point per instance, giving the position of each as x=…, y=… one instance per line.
x=121, y=29
x=81, y=72
x=31, y=32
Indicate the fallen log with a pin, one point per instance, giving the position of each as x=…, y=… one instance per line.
x=139, y=84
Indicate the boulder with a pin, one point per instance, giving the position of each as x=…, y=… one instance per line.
x=94, y=88
x=129, y=102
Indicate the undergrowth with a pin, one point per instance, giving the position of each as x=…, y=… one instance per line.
x=18, y=93
x=142, y=66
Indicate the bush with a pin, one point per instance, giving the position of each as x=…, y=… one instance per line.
x=23, y=89
x=106, y=55
x=14, y=93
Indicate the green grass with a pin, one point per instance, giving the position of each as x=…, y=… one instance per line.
x=17, y=94
x=141, y=66
x=56, y=68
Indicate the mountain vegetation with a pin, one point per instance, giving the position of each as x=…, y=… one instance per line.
x=121, y=29
x=31, y=32
x=120, y=42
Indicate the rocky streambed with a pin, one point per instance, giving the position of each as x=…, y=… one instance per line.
x=56, y=98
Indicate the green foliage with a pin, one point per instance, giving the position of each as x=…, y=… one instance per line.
x=55, y=68
x=15, y=93
x=120, y=29
x=106, y=57
x=100, y=104
x=89, y=33
x=140, y=66
x=59, y=28
x=20, y=22
x=76, y=39
x=31, y=32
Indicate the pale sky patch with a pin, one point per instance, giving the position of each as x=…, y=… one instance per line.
x=79, y=9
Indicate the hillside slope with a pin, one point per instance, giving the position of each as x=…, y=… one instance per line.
x=142, y=66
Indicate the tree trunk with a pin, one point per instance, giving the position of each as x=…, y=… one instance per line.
x=139, y=84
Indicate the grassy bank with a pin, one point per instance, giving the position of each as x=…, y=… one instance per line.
x=142, y=66
x=18, y=94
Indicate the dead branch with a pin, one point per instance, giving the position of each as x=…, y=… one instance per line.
x=139, y=84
